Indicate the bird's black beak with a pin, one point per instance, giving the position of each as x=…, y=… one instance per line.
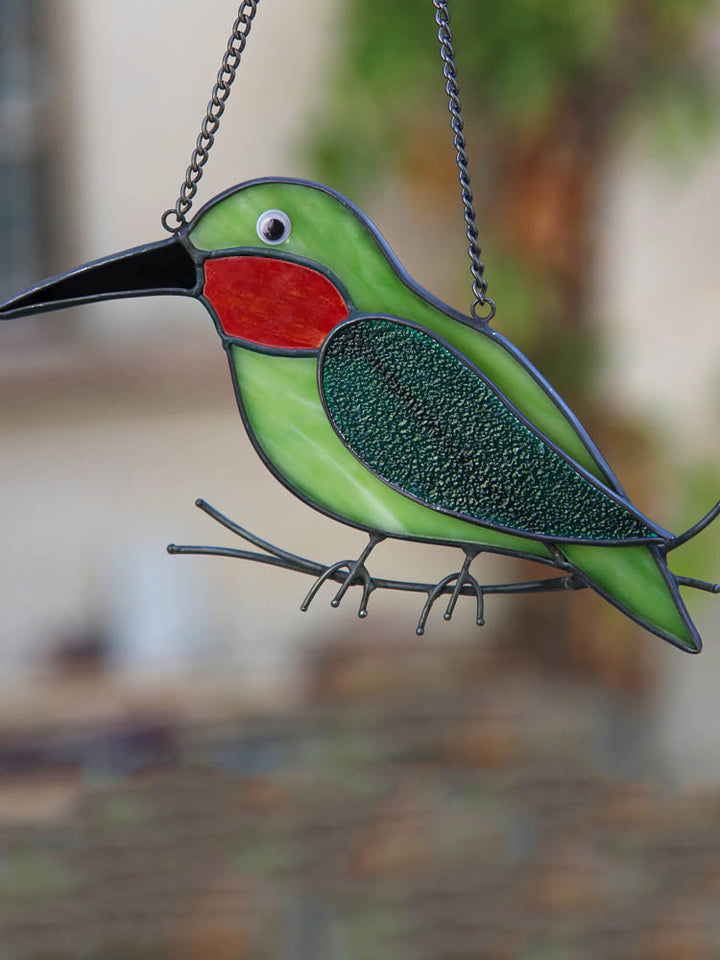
x=166, y=267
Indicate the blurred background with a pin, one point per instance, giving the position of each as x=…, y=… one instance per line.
x=189, y=766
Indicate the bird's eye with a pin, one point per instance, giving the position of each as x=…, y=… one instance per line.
x=273, y=226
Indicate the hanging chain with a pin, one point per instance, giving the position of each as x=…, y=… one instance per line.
x=477, y=267
x=175, y=218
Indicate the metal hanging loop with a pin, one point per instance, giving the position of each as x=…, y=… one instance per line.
x=176, y=218
x=477, y=267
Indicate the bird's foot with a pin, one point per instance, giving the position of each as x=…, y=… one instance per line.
x=462, y=579
x=357, y=572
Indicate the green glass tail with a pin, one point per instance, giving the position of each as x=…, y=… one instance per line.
x=637, y=580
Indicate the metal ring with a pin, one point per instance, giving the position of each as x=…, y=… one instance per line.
x=486, y=301
x=165, y=220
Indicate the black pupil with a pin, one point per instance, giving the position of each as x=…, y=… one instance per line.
x=273, y=229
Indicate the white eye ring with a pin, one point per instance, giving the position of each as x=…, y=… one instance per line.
x=273, y=227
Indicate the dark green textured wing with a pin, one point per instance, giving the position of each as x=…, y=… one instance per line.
x=426, y=422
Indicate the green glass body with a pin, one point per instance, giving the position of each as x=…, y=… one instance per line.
x=281, y=402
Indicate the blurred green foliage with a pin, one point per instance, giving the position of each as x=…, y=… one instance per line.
x=517, y=60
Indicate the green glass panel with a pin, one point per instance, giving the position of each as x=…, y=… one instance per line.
x=283, y=407
x=424, y=421
x=327, y=232
x=632, y=577
x=307, y=452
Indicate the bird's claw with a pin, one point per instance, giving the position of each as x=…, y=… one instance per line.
x=356, y=572
x=461, y=579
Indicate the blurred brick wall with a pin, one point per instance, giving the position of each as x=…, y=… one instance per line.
x=422, y=802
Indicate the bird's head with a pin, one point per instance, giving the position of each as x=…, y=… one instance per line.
x=273, y=260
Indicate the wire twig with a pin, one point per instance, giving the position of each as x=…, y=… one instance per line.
x=276, y=557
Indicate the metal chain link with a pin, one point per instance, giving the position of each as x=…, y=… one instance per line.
x=477, y=267
x=211, y=123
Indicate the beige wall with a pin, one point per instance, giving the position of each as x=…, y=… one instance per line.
x=659, y=291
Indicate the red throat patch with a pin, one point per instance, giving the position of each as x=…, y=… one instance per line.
x=273, y=303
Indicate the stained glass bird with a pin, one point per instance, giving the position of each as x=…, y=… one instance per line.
x=385, y=409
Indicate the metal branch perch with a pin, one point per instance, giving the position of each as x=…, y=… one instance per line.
x=276, y=557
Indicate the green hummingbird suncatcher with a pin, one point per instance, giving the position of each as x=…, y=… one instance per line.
x=382, y=407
